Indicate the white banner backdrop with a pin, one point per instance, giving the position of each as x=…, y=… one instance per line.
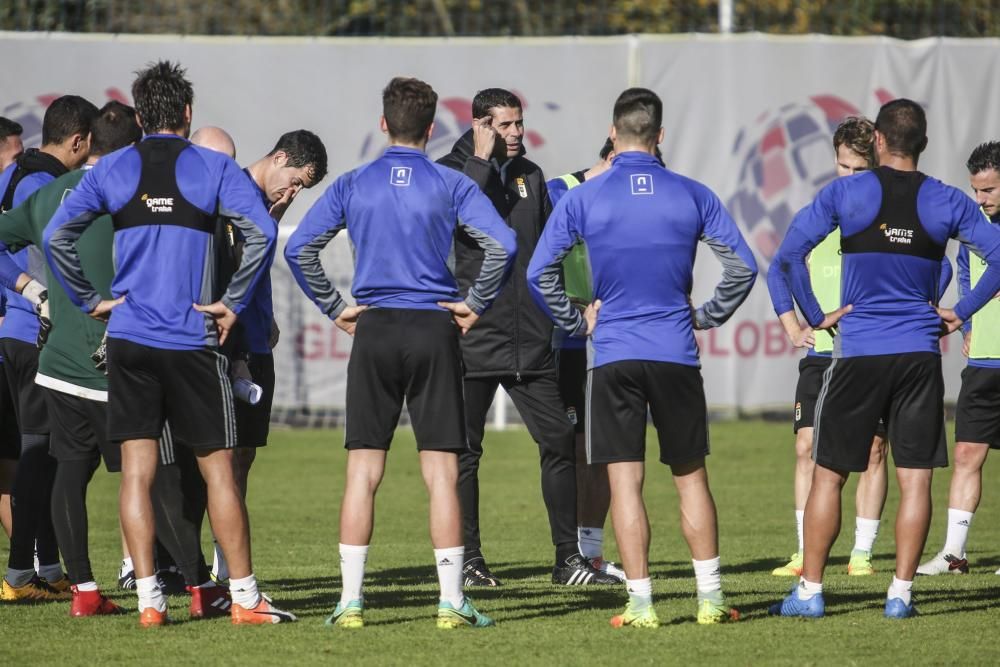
x=750, y=115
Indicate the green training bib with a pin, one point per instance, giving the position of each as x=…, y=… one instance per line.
x=576, y=265
x=985, y=323
x=824, y=274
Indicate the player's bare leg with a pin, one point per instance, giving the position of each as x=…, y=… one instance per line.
x=628, y=514
x=822, y=521
x=699, y=523
x=139, y=461
x=869, y=500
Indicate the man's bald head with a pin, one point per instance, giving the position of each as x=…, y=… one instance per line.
x=216, y=139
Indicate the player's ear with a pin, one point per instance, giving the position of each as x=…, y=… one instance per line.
x=612, y=134
x=430, y=131
x=280, y=158
x=382, y=125
x=659, y=137
x=188, y=115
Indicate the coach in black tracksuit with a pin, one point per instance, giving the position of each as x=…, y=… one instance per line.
x=511, y=344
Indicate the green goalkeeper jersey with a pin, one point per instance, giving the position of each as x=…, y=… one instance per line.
x=64, y=363
x=824, y=275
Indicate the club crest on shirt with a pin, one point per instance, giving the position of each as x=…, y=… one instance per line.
x=642, y=184
x=400, y=176
x=522, y=189
x=571, y=414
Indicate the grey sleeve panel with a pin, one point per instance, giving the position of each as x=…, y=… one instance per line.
x=324, y=293
x=258, y=252
x=491, y=274
x=737, y=280
x=62, y=250
x=550, y=286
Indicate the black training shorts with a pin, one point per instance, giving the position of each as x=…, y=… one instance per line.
x=10, y=436
x=80, y=430
x=811, y=369
x=253, y=422
x=905, y=389
x=977, y=415
x=191, y=388
x=20, y=362
x=618, y=395
x=405, y=354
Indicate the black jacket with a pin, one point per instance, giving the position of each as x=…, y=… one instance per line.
x=513, y=337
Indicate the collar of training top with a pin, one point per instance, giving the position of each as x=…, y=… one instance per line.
x=635, y=157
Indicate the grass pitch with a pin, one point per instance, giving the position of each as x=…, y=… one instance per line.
x=294, y=498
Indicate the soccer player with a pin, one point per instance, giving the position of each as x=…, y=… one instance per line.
x=512, y=344
x=592, y=491
x=853, y=153
x=10, y=142
x=641, y=326
x=75, y=392
x=164, y=196
x=10, y=440
x=977, y=416
x=894, y=223
x=298, y=161
x=402, y=212
x=65, y=146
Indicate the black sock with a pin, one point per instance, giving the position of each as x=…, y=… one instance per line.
x=473, y=554
x=31, y=505
x=69, y=516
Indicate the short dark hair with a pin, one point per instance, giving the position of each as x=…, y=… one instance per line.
x=985, y=156
x=491, y=98
x=115, y=127
x=638, y=115
x=904, y=125
x=856, y=132
x=66, y=116
x=408, y=106
x=161, y=91
x=304, y=149
x=9, y=128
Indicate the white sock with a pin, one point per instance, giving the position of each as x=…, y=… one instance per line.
x=640, y=593
x=18, y=578
x=87, y=586
x=50, y=573
x=958, y=531
x=126, y=567
x=352, y=571
x=449, y=568
x=590, y=541
x=219, y=567
x=244, y=592
x=865, y=532
x=900, y=589
x=708, y=575
x=799, y=520
x=807, y=589
x=150, y=594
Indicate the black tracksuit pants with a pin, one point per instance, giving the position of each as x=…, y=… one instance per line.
x=541, y=407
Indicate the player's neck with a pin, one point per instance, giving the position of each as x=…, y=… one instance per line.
x=897, y=162
x=421, y=146
x=256, y=171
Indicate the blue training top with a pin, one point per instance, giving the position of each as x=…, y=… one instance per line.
x=894, y=227
x=641, y=224
x=781, y=292
x=400, y=212
x=21, y=320
x=165, y=258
